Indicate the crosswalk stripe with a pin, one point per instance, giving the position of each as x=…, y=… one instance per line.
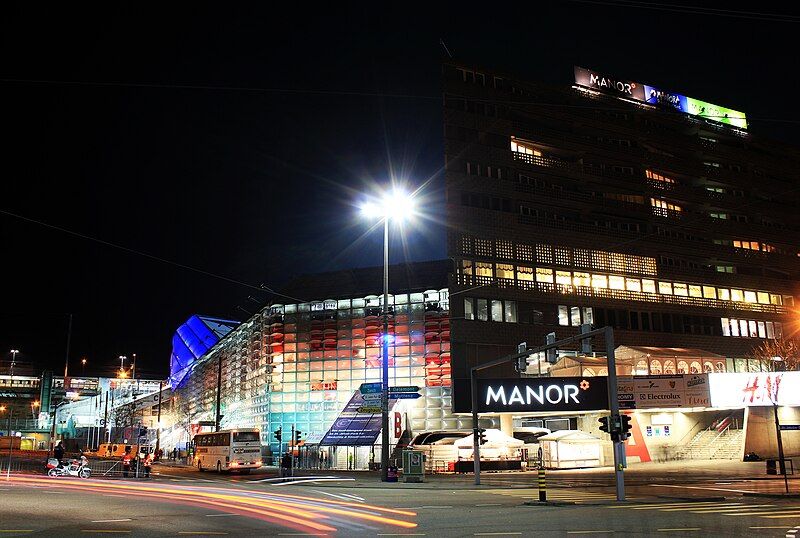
x=792, y=512
x=731, y=509
x=787, y=514
x=690, y=508
x=665, y=505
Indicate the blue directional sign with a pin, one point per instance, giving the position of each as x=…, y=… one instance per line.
x=410, y=388
x=790, y=427
x=405, y=395
x=367, y=388
x=371, y=396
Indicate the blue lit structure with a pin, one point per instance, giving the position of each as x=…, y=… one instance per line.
x=191, y=341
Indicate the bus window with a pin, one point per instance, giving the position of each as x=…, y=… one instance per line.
x=245, y=437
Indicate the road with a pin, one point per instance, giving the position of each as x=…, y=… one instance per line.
x=183, y=502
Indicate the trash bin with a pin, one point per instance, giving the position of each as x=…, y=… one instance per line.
x=391, y=473
x=772, y=466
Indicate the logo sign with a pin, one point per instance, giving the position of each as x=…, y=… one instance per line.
x=367, y=388
x=372, y=409
x=657, y=391
x=754, y=389
x=608, y=84
x=403, y=389
x=543, y=394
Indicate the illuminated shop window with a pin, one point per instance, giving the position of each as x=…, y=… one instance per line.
x=505, y=271
x=581, y=279
x=544, y=275
x=669, y=367
x=633, y=284
x=564, y=277
x=641, y=368
x=484, y=269
x=524, y=273
x=695, y=367
x=526, y=148
x=648, y=286
x=655, y=367
x=683, y=367
x=599, y=281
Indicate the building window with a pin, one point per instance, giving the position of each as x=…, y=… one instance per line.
x=505, y=271
x=524, y=273
x=483, y=310
x=599, y=281
x=658, y=180
x=633, y=284
x=497, y=310
x=663, y=208
x=725, y=269
x=616, y=282
x=544, y=275
x=564, y=277
x=466, y=267
x=484, y=269
x=581, y=279
x=469, y=312
x=717, y=215
x=510, y=311
x=563, y=315
x=526, y=148
x=575, y=316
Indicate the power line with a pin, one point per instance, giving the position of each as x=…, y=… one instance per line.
x=694, y=10
x=145, y=254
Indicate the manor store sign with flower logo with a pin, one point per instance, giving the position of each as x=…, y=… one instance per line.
x=542, y=394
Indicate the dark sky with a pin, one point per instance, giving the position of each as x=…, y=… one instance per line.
x=259, y=185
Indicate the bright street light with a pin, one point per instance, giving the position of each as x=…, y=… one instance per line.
x=395, y=205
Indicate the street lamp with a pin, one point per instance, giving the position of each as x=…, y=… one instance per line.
x=83, y=366
x=395, y=205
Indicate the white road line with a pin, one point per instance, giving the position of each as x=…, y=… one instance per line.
x=421, y=507
x=356, y=497
x=496, y=533
x=340, y=497
x=590, y=532
x=220, y=515
x=315, y=480
x=489, y=504
x=110, y=520
x=683, y=529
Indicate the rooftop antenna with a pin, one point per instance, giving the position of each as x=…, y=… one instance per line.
x=444, y=46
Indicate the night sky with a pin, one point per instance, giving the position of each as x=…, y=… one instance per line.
x=236, y=141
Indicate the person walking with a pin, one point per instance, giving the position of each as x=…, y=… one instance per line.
x=58, y=452
x=147, y=463
x=126, y=462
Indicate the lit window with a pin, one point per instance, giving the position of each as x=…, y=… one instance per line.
x=544, y=275
x=633, y=284
x=753, y=328
x=695, y=290
x=599, y=281
x=775, y=299
x=497, y=310
x=469, y=313
x=483, y=310
x=641, y=368
x=563, y=315
x=722, y=216
x=483, y=269
x=588, y=314
x=648, y=286
x=709, y=292
x=505, y=271
x=524, y=273
x=511, y=311
x=683, y=367
x=778, y=330
x=763, y=297
x=724, y=294
x=680, y=289
x=737, y=295
x=665, y=288
x=743, y=328
x=762, y=330
x=655, y=366
x=726, y=329
x=575, y=316
x=564, y=277
x=770, y=330
x=658, y=203
x=669, y=367
x=734, y=327
x=658, y=178
x=583, y=279
x=521, y=147
x=750, y=297
x=616, y=282
x=466, y=267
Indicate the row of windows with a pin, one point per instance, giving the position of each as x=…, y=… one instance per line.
x=656, y=322
x=616, y=282
x=215, y=439
x=751, y=329
x=483, y=201
x=490, y=310
x=575, y=316
x=747, y=245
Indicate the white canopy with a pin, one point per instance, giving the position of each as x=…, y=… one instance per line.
x=572, y=436
x=494, y=439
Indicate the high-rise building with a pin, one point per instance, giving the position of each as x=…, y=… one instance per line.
x=614, y=203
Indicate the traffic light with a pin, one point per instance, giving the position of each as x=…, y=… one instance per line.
x=278, y=434
x=626, y=427
x=551, y=354
x=586, y=343
x=297, y=437
x=481, y=436
x=605, y=425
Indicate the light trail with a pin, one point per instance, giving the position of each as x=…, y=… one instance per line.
x=300, y=513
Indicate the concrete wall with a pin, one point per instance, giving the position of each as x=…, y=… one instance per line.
x=760, y=436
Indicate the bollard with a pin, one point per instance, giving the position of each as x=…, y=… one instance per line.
x=542, y=486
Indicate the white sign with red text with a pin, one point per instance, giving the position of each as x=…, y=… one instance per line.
x=754, y=389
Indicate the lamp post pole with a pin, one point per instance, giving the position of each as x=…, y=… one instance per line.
x=385, y=361
x=10, y=412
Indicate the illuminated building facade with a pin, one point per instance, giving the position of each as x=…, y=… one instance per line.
x=299, y=362
x=614, y=203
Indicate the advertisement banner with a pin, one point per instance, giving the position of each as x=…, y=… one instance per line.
x=658, y=97
x=352, y=428
x=755, y=389
x=663, y=391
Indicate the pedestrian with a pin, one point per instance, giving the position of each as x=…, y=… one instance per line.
x=349, y=462
x=147, y=463
x=58, y=452
x=175, y=454
x=126, y=462
x=286, y=464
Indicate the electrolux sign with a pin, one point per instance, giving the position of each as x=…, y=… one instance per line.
x=542, y=394
x=655, y=96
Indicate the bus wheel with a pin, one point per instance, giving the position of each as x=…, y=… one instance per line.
x=219, y=467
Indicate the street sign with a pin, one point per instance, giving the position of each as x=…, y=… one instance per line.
x=790, y=427
x=405, y=395
x=370, y=396
x=372, y=409
x=369, y=388
x=403, y=389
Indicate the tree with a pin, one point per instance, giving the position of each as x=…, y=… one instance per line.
x=780, y=354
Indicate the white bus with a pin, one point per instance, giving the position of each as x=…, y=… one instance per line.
x=228, y=450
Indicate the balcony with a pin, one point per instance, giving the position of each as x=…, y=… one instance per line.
x=539, y=160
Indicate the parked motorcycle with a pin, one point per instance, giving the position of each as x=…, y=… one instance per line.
x=74, y=468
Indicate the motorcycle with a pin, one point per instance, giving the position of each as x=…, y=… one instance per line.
x=74, y=468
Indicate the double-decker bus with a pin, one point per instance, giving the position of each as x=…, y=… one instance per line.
x=228, y=450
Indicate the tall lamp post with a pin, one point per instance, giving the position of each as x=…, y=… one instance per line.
x=11, y=412
x=395, y=205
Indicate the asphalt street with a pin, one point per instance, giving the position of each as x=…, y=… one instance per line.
x=181, y=502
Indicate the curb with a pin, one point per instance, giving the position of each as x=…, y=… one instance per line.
x=771, y=495
x=716, y=498
x=549, y=503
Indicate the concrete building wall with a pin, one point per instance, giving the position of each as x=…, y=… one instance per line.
x=761, y=436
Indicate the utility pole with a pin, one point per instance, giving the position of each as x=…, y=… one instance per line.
x=385, y=361
x=158, y=420
x=219, y=392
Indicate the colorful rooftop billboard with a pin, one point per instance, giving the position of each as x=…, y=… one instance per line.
x=655, y=96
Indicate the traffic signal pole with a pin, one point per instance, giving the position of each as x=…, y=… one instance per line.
x=619, y=447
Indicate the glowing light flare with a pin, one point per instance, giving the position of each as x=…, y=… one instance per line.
x=395, y=205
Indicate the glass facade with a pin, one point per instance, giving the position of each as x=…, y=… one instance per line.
x=300, y=363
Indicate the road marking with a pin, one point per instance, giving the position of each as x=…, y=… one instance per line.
x=353, y=496
x=220, y=515
x=684, y=529
x=771, y=527
x=431, y=507
x=16, y=530
x=111, y=520
x=745, y=508
x=104, y=531
x=590, y=532
x=316, y=480
x=665, y=505
x=341, y=497
x=403, y=534
x=496, y=533
x=489, y=504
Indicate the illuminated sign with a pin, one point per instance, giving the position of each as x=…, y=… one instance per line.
x=657, y=391
x=542, y=394
x=658, y=97
x=754, y=389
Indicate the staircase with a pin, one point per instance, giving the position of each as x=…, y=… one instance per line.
x=713, y=445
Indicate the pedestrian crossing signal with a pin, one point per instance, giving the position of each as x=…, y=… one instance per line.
x=481, y=436
x=297, y=437
x=604, y=424
x=278, y=434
